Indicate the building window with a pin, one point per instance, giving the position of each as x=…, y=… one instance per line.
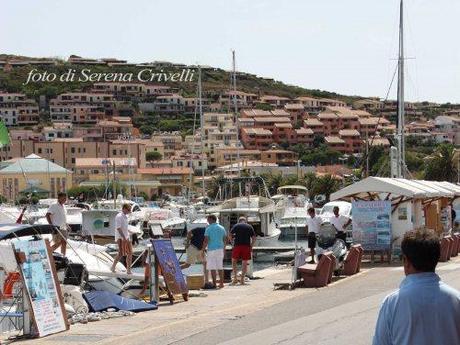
x=72, y=150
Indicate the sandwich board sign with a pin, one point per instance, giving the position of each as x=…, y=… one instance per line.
x=40, y=282
x=170, y=269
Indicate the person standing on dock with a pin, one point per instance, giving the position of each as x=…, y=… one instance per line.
x=195, y=251
x=56, y=215
x=340, y=223
x=122, y=238
x=243, y=237
x=215, y=238
x=424, y=310
x=314, y=223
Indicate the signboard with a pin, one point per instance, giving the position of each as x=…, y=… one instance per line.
x=170, y=268
x=372, y=224
x=39, y=277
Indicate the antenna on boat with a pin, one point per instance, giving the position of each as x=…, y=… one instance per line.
x=200, y=107
x=401, y=153
x=235, y=109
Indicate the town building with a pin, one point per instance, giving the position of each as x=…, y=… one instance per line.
x=33, y=175
x=18, y=110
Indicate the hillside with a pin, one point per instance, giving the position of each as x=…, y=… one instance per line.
x=215, y=81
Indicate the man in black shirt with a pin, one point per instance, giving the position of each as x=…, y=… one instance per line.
x=243, y=238
x=195, y=250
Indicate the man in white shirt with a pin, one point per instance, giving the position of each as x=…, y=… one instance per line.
x=340, y=223
x=122, y=238
x=56, y=215
x=313, y=223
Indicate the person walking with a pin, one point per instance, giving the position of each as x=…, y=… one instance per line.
x=125, y=248
x=424, y=310
x=243, y=237
x=313, y=223
x=340, y=223
x=195, y=250
x=214, y=241
x=56, y=215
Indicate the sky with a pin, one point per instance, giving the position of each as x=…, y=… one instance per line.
x=347, y=47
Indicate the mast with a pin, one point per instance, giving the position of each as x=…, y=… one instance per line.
x=401, y=165
x=200, y=107
x=235, y=107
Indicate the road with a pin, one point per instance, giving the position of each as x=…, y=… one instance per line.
x=345, y=312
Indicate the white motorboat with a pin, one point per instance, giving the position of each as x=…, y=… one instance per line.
x=163, y=220
x=259, y=212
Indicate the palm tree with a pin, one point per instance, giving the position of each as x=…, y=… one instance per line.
x=441, y=165
x=325, y=185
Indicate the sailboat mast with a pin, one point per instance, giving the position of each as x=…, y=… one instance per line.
x=235, y=107
x=401, y=115
x=200, y=108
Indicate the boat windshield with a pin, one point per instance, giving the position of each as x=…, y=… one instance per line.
x=293, y=220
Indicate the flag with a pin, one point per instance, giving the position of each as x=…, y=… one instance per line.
x=4, y=135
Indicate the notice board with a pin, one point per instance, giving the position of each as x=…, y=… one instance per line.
x=372, y=224
x=170, y=268
x=39, y=277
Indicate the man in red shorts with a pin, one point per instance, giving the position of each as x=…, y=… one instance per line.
x=243, y=238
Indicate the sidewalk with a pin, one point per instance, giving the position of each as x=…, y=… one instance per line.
x=175, y=322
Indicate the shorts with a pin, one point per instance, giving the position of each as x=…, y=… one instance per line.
x=242, y=252
x=60, y=235
x=194, y=255
x=215, y=259
x=124, y=247
x=311, y=240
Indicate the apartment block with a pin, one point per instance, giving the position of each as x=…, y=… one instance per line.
x=18, y=110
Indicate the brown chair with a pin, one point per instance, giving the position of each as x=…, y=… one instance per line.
x=458, y=241
x=451, y=245
x=332, y=266
x=316, y=275
x=351, y=263
x=445, y=246
x=454, y=249
x=361, y=254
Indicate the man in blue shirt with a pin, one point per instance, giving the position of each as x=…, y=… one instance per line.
x=215, y=240
x=424, y=310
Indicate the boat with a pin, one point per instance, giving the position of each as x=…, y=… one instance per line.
x=94, y=258
x=292, y=203
x=259, y=212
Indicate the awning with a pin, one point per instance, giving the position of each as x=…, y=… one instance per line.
x=373, y=188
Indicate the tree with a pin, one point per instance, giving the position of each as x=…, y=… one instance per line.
x=153, y=156
x=325, y=185
x=442, y=166
x=318, y=140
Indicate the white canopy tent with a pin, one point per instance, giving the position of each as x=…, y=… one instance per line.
x=415, y=203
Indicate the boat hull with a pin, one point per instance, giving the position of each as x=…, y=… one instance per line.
x=288, y=232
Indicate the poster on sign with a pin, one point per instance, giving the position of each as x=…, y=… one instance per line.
x=170, y=267
x=39, y=278
x=372, y=224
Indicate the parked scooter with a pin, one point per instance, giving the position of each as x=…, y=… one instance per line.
x=327, y=241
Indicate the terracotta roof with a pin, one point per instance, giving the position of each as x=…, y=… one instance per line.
x=273, y=98
x=349, y=133
x=304, y=131
x=334, y=140
x=257, y=131
x=368, y=121
x=280, y=112
x=283, y=125
x=272, y=119
x=313, y=122
x=294, y=106
x=165, y=171
x=327, y=115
